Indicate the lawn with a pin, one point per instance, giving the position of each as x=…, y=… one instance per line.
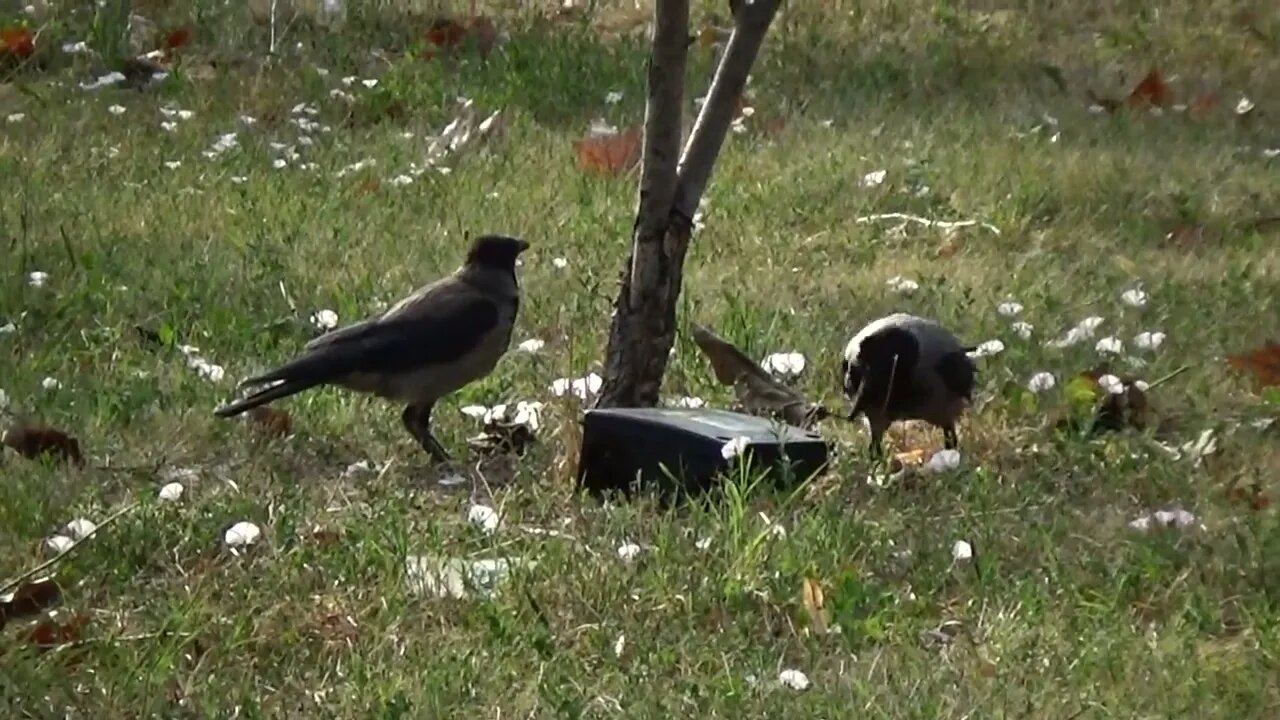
x=161, y=243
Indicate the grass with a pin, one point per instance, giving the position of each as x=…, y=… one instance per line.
x=1064, y=611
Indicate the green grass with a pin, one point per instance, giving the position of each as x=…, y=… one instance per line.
x=1065, y=612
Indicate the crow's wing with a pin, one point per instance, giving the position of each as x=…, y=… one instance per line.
x=438, y=324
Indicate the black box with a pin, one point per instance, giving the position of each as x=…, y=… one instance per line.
x=626, y=449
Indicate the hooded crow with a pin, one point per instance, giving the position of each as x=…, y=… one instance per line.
x=903, y=367
x=443, y=336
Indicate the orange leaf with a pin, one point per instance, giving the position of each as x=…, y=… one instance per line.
x=1150, y=92
x=33, y=441
x=815, y=606
x=445, y=33
x=18, y=42
x=177, y=39
x=272, y=422
x=610, y=154
x=1263, y=364
x=51, y=633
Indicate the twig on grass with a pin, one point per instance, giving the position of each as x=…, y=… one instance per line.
x=17, y=581
x=941, y=224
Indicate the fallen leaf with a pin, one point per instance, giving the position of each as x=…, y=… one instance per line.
x=1186, y=236
x=1263, y=364
x=17, y=43
x=1203, y=105
x=34, y=441
x=445, y=36
x=1252, y=495
x=371, y=185
x=610, y=153
x=176, y=39
x=815, y=606
x=51, y=632
x=1150, y=92
x=30, y=598
x=272, y=421
x=755, y=388
x=337, y=627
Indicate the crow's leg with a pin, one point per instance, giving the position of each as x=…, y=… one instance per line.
x=417, y=420
x=950, y=440
x=878, y=427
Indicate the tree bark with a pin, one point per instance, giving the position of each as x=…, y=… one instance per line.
x=643, y=328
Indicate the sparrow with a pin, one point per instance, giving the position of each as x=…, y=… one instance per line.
x=441, y=337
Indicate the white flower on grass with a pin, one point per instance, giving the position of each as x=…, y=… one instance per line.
x=58, y=544
x=943, y=461
x=1134, y=297
x=401, y=180
x=168, y=126
x=1174, y=518
x=248, y=120
x=1111, y=384
x=171, y=492
x=1023, y=329
x=483, y=517
x=207, y=370
x=531, y=346
x=370, y=83
x=619, y=645
x=50, y=383
x=279, y=163
x=961, y=551
x=225, y=142
x=78, y=47
x=560, y=263
x=794, y=679
x=735, y=447
x=37, y=278
x=116, y=109
x=172, y=164
x=349, y=80
x=15, y=117
x=688, y=401
x=703, y=543
x=784, y=363
x=1271, y=153
x=325, y=319
x=1111, y=345
x=239, y=179
x=613, y=98
x=628, y=551
x=8, y=329
x=1149, y=340
x=987, y=349
x=1082, y=331
x=906, y=286
x=874, y=179
x=356, y=167
x=452, y=480
x=107, y=80
x=1244, y=106
x=1009, y=308
x=581, y=387
x=242, y=534
x=79, y=529
x=1041, y=382
x=475, y=411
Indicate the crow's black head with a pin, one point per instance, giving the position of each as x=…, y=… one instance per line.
x=496, y=251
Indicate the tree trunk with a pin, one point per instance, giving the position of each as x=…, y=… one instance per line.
x=643, y=328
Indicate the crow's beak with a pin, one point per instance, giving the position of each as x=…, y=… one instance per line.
x=523, y=245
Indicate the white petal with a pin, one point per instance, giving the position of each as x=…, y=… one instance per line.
x=483, y=517
x=903, y=285
x=476, y=411
x=370, y=83
x=37, y=278
x=116, y=109
x=688, y=402
x=628, y=551
x=241, y=534
x=1149, y=340
x=784, y=363
x=325, y=319
x=532, y=345
x=50, y=383
x=988, y=348
x=794, y=679
x=613, y=98
x=734, y=447
x=703, y=543
x=1134, y=297
x=79, y=528
x=961, y=551
x=619, y=645
x=58, y=544
x=171, y=492
x=874, y=179
x=1111, y=384
x=1023, y=329
x=1244, y=106
x=560, y=263
x=943, y=461
x=1112, y=345
x=1042, y=382
x=1009, y=308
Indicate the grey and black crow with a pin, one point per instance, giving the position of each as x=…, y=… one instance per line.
x=903, y=367
x=443, y=336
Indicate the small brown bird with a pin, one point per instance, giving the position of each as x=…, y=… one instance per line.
x=903, y=367
x=430, y=344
